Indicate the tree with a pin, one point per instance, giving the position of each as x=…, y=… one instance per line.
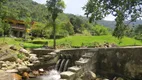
x=54, y=7
x=28, y=24
x=3, y=14
x=138, y=32
x=121, y=9
x=100, y=30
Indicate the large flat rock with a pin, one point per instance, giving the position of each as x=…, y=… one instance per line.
x=74, y=69
x=6, y=76
x=68, y=75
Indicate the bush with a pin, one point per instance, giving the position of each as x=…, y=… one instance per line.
x=33, y=46
x=21, y=56
x=100, y=30
x=138, y=37
x=18, y=39
x=1, y=32
x=39, y=42
x=86, y=33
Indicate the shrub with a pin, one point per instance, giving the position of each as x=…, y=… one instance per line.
x=33, y=46
x=86, y=33
x=39, y=42
x=21, y=56
x=18, y=39
x=1, y=32
x=100, y=30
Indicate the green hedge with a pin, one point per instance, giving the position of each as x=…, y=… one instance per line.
x=33, y=46
x=39, y=42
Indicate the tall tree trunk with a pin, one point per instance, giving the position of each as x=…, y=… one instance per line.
x=54, y=34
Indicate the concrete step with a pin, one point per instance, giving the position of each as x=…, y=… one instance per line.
x=68, y=75
x=74, y=69
x=82, y=62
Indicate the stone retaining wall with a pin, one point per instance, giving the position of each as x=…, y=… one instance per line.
x=123, y=62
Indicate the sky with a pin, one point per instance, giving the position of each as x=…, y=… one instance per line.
x=75, y=7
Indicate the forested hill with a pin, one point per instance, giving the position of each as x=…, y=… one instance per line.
x=111, y=24
x=20, y=9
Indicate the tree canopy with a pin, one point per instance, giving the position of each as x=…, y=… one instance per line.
x=121, y=9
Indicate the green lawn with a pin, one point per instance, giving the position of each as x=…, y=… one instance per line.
x=12, y=41
x=76, y=41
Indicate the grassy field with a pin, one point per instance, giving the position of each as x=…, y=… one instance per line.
x=76, y=41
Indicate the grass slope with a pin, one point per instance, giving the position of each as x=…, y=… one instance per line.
x=78, y=40
x=75, y=41
x=17, y=42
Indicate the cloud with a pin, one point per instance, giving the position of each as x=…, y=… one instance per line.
x=40, y=1
x=109, y=18
x=75, y=6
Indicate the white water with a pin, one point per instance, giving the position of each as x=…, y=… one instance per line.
x=52, y=75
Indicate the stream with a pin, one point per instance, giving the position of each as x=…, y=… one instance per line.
x=51, y=75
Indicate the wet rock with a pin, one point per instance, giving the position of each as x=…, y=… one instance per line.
x=19, y=61
x=8, y=63
x=11, y=67
x=41, y=70
x=12, y=71
x=105, y=79
x=79, y=79
x=36, y=73
x=68, y=75
x=4, y=65
x=23, y=68
x=48, y=57
x=119, y=78
x=4, y=68
x=13, y=47
x=74, y=69
x=29, y=65
x=89, y=75
x=16, y=76
x=31, y=75
x=25, y=75
x=1, y=64
x=27, y=53
x=82, y=62
x=9, y=57
x=26, y=62
x=23, y=64
x=33, y=58
x=99, y=79
x=1, y=71
x=77, y=70
x=93, y=75
x=6, y=76
x=36, y=62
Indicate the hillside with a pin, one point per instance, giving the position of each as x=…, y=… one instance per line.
x=111, y=24
x=20, y=9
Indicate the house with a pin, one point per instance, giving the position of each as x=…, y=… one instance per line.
x=17, y=27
